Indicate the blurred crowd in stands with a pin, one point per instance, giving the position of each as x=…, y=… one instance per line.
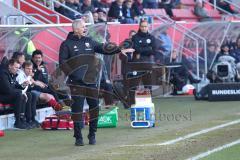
x=127, y=11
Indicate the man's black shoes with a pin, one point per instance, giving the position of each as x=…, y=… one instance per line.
x=79, y=142
x=92, y=140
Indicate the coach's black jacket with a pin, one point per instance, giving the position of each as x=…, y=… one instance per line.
x=73, y=47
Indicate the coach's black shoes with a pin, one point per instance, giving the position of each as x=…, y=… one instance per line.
x=92, y=139
x=78, y=134
x=20, y=125
x=79, y=142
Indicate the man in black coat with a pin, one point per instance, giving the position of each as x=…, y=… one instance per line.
x=73, y=5
x=138, y=8
x=39, y=68
x=11, y=92
x=78, y=60
x=116, y=11
x=40, y=72
x=129, y=13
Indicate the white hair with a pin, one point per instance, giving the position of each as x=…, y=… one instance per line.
x=76, y=23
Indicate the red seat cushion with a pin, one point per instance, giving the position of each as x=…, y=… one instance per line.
x=184, y=14
x=155, y=12
x=214, y=14
x=188, y=2
x=207, y=6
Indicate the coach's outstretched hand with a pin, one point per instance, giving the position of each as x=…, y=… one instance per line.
x=124, y=51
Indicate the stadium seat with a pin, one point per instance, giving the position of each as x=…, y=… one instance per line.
x=207, y=6
x=184, y=14
x=214, y=14
x=155, y=12
x=188, y=2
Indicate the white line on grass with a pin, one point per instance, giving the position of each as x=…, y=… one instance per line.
x=205, y=154
x=188, y=135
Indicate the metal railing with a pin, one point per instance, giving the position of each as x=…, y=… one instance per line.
x=224, y=36
x=29, y=4
x=21, y=37
x=37, y=22
x=24, y=17
x=7, y=34
x=184, y=30
x=64, y=6
x=15, y=42
x=233, y=4
x=52, y=4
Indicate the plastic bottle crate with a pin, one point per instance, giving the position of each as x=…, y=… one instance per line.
x=143, y=116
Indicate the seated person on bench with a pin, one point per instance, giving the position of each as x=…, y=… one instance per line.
x=12, y=92
x=26, y=74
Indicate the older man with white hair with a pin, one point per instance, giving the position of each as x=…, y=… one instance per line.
x=78, y=47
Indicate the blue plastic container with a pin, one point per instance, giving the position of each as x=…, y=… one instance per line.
x=143, y=116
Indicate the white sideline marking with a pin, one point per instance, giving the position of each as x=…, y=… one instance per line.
x=205, y=154
x=188, y=135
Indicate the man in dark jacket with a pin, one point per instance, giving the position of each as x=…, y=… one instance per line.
x=116, y=11
x=39, y=68
x=40, y=71
x=138, y=8
x=78, y=59
x=41, y=74
x=11, y=92
x=87, y=6
x=129, y=13
x=75, y=6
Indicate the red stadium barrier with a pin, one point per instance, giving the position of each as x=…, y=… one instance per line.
x=1, y=133
x=4, y=107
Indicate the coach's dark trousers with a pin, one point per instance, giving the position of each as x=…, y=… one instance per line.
x=77, y=109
